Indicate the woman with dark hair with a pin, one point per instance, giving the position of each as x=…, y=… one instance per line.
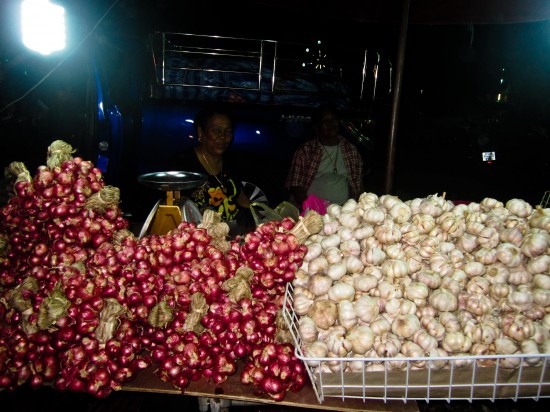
x=223, y=191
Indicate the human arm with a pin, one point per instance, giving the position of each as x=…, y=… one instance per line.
x=299, y=195
x=300, y=174
x=243, y=200
x=355, y=167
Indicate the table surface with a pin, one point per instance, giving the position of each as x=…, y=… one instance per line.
x=233, y=389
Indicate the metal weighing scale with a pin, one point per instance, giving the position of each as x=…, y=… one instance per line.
x=168, y=213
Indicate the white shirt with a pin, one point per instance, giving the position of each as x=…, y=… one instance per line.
x=328, y=184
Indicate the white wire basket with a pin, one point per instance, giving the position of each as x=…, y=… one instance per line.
x=545, y=201
x=421, y=378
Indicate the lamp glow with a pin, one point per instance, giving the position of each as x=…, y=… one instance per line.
x=43, y=26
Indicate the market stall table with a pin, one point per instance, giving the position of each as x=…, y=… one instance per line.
x=234, y=390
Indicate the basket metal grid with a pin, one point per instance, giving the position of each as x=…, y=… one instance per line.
x=545, y=201
x=464, y=378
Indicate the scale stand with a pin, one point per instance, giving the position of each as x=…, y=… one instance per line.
x=168, y=213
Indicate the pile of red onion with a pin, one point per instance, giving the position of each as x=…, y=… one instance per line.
x=84, y=305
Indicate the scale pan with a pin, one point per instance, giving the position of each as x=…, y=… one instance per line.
x=172, y=180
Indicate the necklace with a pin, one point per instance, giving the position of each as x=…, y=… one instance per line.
x=333, y=161
x=210, y=171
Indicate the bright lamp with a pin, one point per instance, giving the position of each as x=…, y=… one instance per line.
x=43, y=26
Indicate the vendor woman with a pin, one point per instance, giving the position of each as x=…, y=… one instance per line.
x=223, y=191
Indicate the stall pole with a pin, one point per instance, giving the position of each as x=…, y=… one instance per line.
x=397, y=95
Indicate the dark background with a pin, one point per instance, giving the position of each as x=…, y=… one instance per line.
x=448, y=113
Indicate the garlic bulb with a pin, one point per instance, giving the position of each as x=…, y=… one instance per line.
x=337, y=344
x=432, y=206
x=520, y=301
x=368, y=199
x=426, y=341
x=317, y=349
x=387, y=345
x=467, y=243
x=497, y=273
x=489, y=203
x=319, y=284
x=539, y=264
x=511, y=235
x=373, y=256
x=395, y=268
x=535, y=244
x=349, y=220
x=307, y=329
x=364, y=282
x=473, y=269
x=333, y=255
x=410, y=233
x=346, y=314
x=485, y=255
x=324, y=313
x=330, y=227
x=366, y=308
x=395, y=251
x=506, y=346
x=509, y=254
x=540, y=218
x=330, y=240
x=374, y=215
x=381, y=325
x=428, y=246
x=361, y=338
x=452, y=224
x=318, y=265
x=340, y=291
x=443, y=300
x=417, y=292
x=488, y=237
x=363, y=231
x=314, y=250
x=302, y=302
x=400, y=211
x=413, y=350
x=353, y=264
x=333, y=210
x=441, y=263
x=430, y=278
x=450, y=322
x=436, y=364
x=387, y=233
x=519, y=207
x=434, y=327
x=518, y=327
x=336, y=271
x=542, y=281
x=405, y=325
x=519, y=276
x=530, y=347
x=455, y=342
x=479, y=304
x=541, y=297
x=483, y=333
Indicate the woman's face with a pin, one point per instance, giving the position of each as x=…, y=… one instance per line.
x=216, y=137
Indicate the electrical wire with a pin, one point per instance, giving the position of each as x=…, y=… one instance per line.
x=62, y=60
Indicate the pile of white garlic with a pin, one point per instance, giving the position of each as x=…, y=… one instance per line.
x=387, y=278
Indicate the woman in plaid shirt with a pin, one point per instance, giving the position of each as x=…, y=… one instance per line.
x=328, y=166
